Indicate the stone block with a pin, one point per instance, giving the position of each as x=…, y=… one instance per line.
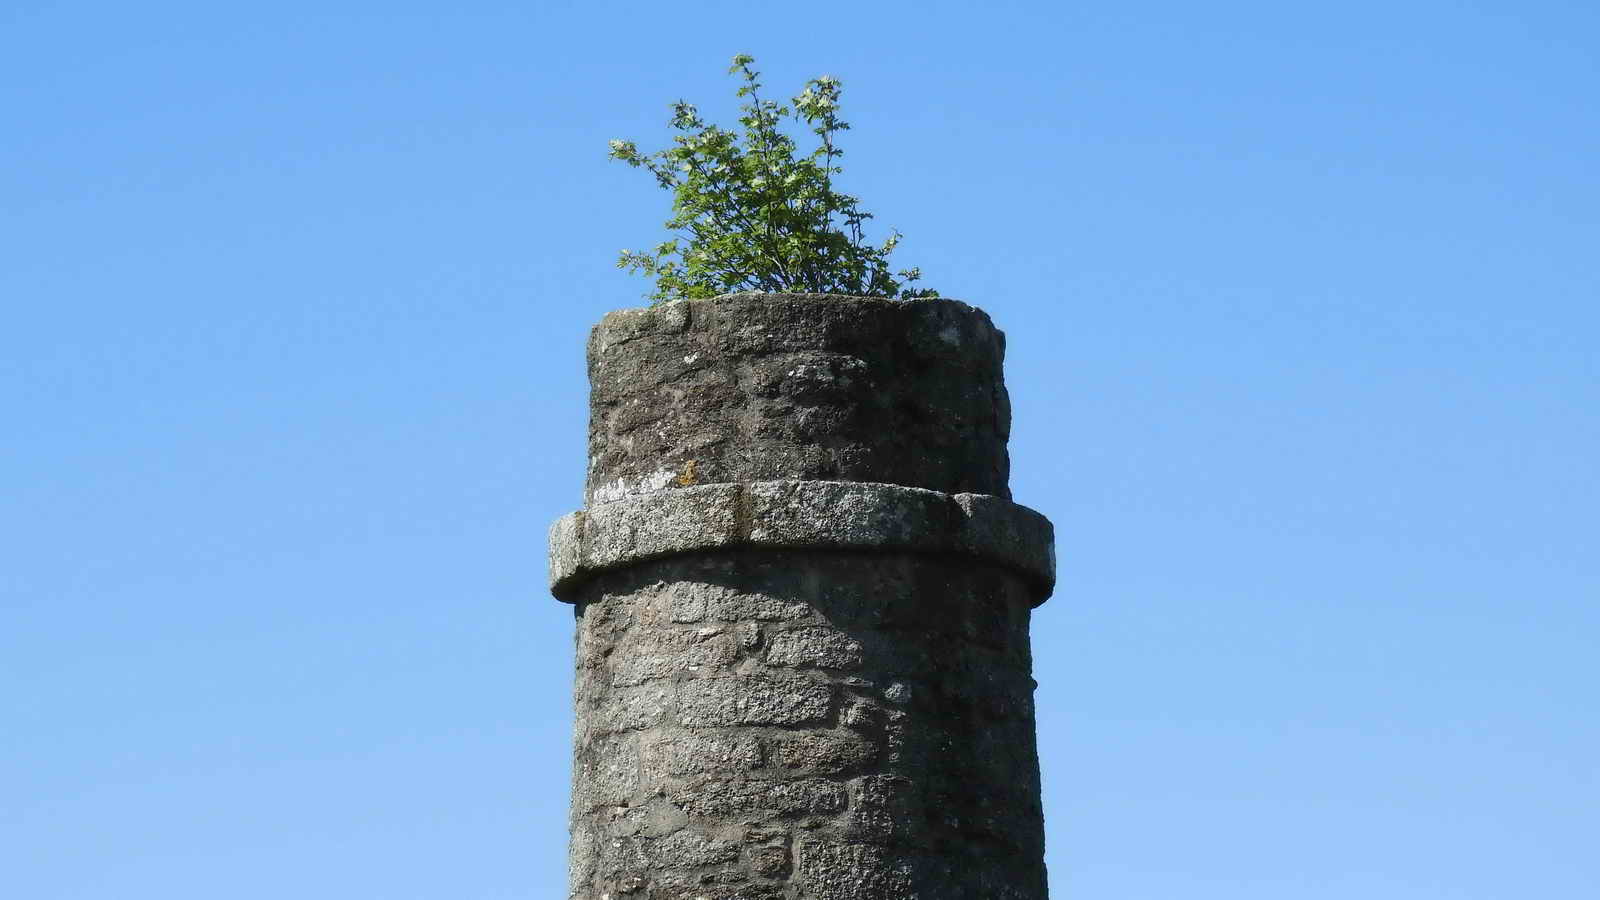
x=839, y=513
x=815, y=647
x=660, y=524
x=882, y=807
x=995, y=528
x=679, y=754
x=625, y=709
x=753, y=700
x=689, y=849
x=849, y=871
x=724, y=605
x=828, y=752
x=606, y=772
x=750, y=800
x=769, y=861
x=566, y=547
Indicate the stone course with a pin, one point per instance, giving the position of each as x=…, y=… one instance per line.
x=800, y=515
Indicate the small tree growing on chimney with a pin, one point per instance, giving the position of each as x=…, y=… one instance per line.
x=749, y=214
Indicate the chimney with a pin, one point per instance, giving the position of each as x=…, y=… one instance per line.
x=802, y=596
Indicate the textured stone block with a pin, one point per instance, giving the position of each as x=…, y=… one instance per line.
x=828, y=871
x=661, y=653
x=687, y=850
x=769, y=862
x=680, y=754
x=628, y=708
x=566, y=547
x=702, y=889
x=609, y=775
x=834, y=513
x=743, y=606
x=829, y=752
x=817, y=647
x=882, y=807
x=753, y=701
x=1001, y=530
x=758, y=800
x=660, y=524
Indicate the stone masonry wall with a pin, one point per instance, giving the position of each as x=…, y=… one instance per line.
x=802, y=597
x=753, y=387
x=827, y=725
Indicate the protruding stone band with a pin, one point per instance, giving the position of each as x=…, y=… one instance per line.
x=810, y=515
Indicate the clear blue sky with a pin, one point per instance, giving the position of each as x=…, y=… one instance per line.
x=1303, y=328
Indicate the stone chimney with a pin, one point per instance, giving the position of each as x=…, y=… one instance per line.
x=802, y=596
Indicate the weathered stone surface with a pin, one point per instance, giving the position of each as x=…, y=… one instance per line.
x=686, y=753
x=695, y=602
x=1007, y=533
x=609, y=776
x=771, y=861
x=827, y=871
x=759, y=387
x=817, y=647
x=845, y=514
x=566, y=547
x=800, y=515
x=659, y=524
x=883, y=807
x=753, y=701
x=883, y=712
x=802, y=598
x=709, y=889
x=687, y=849
x=831, y=752
x=745, y=606
x=625, y=709
x=755, y=801
x=659, y=653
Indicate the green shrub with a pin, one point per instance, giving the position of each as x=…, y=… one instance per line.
x=750, y=215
